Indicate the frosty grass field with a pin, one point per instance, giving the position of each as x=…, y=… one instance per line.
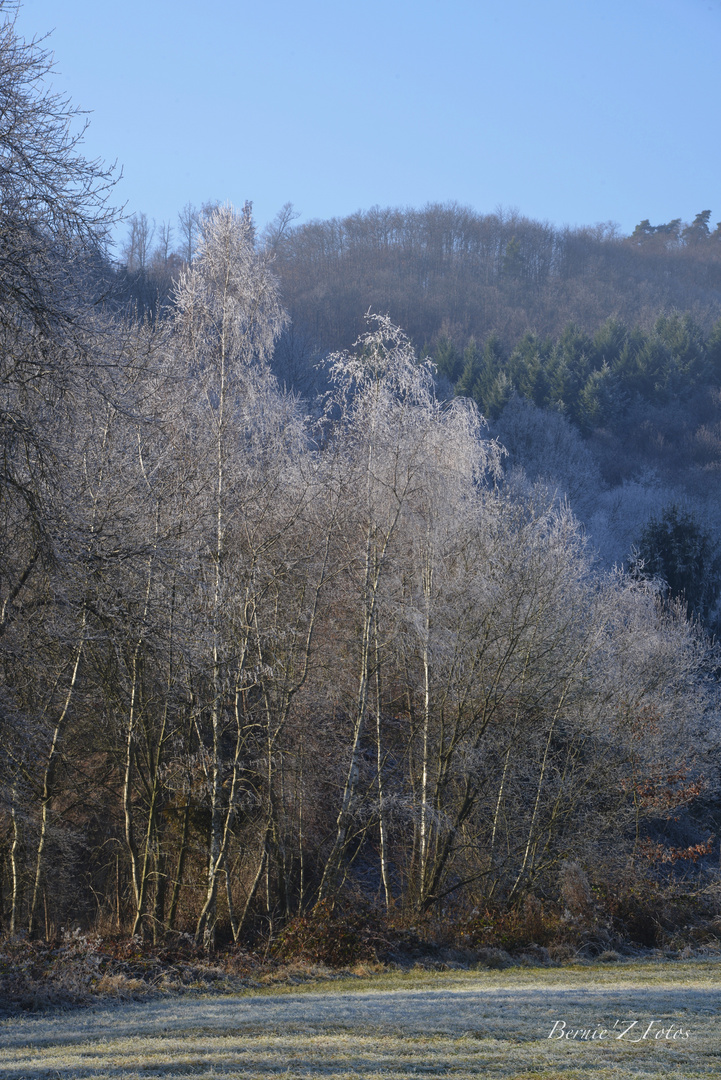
x=458, y=1024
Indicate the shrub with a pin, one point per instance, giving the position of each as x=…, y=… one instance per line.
x=336, y=935
x=514, y=928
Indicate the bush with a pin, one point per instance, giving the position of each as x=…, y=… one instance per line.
x=336, y=935
x=513, y=928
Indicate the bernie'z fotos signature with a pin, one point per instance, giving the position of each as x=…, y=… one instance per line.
x=629, y=1030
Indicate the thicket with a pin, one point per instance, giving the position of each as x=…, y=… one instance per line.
x=260, y=661
x=269, y=662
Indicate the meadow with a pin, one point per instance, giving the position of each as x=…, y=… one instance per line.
x=644, y=1019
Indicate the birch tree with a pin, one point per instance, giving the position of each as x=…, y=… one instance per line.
x=397, y=436
x=228, y=318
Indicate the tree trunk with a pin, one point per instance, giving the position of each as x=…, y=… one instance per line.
x=48, y=784
x=379, y=767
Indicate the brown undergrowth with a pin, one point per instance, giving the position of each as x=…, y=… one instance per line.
x=357, y=939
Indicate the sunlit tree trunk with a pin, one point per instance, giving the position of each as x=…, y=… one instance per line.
x=48, y=776
x=380, y=764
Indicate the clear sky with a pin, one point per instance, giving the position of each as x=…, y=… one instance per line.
x=571, y=111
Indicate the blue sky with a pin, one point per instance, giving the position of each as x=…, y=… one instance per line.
x=571, y=111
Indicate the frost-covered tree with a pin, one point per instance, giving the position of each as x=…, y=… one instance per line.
x=228, y=318
x=407, y=458
x=54, y=219
x=548, y=448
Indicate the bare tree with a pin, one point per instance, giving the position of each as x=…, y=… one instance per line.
x=136, y=251
x=395, y=431
x=188, y=220
x=229, y=316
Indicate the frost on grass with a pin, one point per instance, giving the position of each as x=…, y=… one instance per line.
x=459, y=1024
